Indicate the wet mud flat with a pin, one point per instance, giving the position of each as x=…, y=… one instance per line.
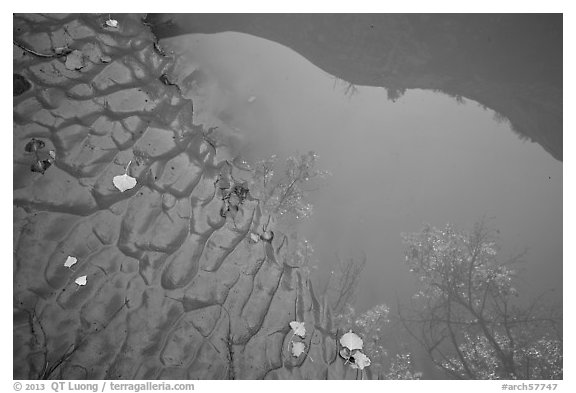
x=157, y=280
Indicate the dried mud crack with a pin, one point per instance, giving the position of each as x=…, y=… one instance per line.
x=161, y=261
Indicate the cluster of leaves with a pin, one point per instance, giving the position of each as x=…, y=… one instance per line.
x=375, y=327
x=351, y=351
x=42, y=159
x=285, y=193
x=298, y=347
x=466, y=313
x=370, y=325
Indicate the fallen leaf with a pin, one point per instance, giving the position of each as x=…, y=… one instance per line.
x=298, y=328
x=360, y=361
x=81, y=280
x=112, y=23
x=40, y=166
x=298, y=348
x=70, y=261
x=34, y=145
x=124, y=182
x=345, y=353
x=351, y=341
x=75, y=61
x=267, y=236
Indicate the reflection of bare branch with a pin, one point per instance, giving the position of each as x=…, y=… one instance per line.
x=342, y=285
x=466, y=316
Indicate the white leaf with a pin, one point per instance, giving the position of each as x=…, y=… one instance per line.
x=360, y=361
x=75, y=60
x=298, y=348
x=124, y=182
x=298, y=328
x=351, y=341
x=81, y=280
x=70, y=261
x=112, y=23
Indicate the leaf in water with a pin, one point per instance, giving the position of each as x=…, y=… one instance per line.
x=360, y=361
x=345, y=353
x=267, y=236
x=124, y=182
x=81, y=280
x=351, y=341
x=75, y=61
x=40, y=166
x=34, y=145
x=298, y=348
x=113, y=23
x=298, y=328
x=70, y=261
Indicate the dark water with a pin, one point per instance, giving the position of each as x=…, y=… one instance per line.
x=395, y=165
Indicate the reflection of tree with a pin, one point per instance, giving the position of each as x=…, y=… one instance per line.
x=394, y=94
x=350, y=89
x=282, y=194
x=343, y=283
x=466, y=315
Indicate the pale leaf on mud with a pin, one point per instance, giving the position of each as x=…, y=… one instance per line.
x=351, y=341
x=298, y=328
x=82, y=280
x=112, y=23
x=75, y=61
x=70, y=261
x=298, y=348
x=124, y=182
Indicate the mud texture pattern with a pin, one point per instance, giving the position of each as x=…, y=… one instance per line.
x=174, y=288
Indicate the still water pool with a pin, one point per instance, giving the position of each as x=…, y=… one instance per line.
x=395, y=165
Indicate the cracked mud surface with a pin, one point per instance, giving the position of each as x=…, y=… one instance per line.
x=175, y=290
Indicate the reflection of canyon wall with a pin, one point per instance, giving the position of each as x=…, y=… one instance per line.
x=509, y=63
